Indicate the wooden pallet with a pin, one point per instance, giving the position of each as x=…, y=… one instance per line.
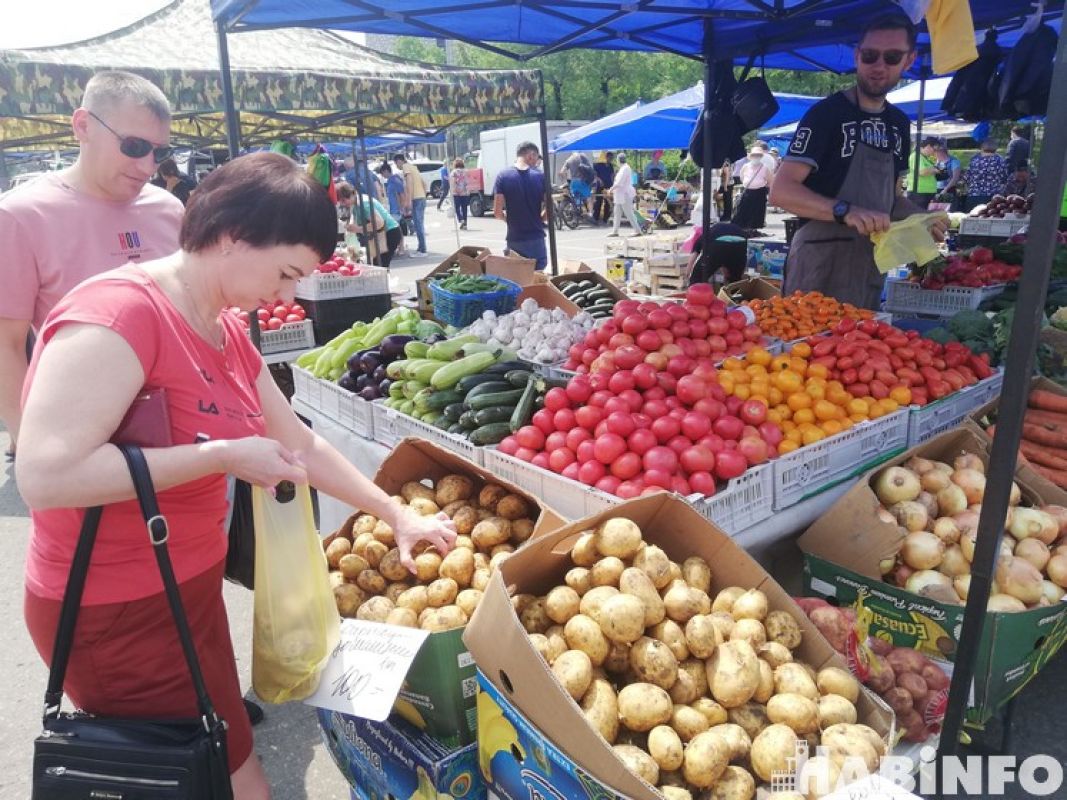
x=663, y=284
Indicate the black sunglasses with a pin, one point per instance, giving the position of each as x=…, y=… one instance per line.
x=890, y=57
x=135, y=146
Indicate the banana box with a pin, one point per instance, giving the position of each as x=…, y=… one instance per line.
x=843, y=548
x=392, y=760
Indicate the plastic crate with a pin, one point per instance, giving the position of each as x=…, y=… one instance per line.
x=463, y=309
x=290, y=336
x=331, y=286
x=572, y=499
x=307, y=388
x=409, y=426
x=816, y=467
x=331, y=317
x=745, y=501
x=993, y=227
x=905, y=297
x=386, y=424
x=927, y=421
x=339, y=405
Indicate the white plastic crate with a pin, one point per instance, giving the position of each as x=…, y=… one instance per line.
x=386, y=424
x=572, y=499
x=992, y=226
x=331, y=286
x=905, y=297
x=745, y=501
x=317, y=393
x=927, y=421
x=816, y=467
x=409, y=426
x=291, y=336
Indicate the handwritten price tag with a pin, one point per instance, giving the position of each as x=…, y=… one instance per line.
x=365, y=670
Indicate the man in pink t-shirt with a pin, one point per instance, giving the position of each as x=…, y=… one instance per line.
x=101, y=213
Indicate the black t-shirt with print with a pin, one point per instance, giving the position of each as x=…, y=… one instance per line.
x=827, y=135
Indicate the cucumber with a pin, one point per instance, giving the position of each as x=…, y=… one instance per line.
x=493, y=433
x=455, y=427
x=600, y=294
x=438, y=401
x=493, y=414
x=570, y=289
x=442, y=422
x=587, y=284
x=508, y=398
x=504, y=367
x=469, y=382
x=489, y=387
x=518, y=377
x=467, y=421
x=455, y=411
x=525, y=407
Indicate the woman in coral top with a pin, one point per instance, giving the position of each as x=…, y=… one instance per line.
x=252, y=228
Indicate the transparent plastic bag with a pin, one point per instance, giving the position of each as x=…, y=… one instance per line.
x=907, y=241
x=295, y=624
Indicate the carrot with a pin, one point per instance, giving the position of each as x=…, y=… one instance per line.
x=1045, y=437
x=1048, y=401
x=1047, y=419
x=1037, y=454
x=1058, y=477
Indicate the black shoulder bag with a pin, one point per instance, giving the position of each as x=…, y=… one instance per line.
x=79, y=755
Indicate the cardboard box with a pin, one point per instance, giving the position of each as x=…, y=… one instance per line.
x=546, y=295
x=570, y=266
x=749, y=289
x=617, y=270
x=439, y=691
x=522, y=271
x=469, y=260
x=841, y=554
x=504, y=654
x=394, y=759
x=560, y=281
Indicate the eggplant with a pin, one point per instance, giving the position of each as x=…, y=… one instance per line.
x=353, y=360
x=379, y=374
x=370, y=393
x=383, y=387
x=362, y=382
x=392, y=347
x=370, y=361
x=348, y=381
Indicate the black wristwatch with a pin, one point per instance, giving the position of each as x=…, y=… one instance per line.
x=841, y=209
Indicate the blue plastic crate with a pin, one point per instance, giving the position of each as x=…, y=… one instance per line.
x=461, y=310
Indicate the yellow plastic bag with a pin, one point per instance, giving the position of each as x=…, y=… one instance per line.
x=295, y=624
x=907, y=241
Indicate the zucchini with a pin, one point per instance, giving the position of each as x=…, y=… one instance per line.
x=455, y=427
x=467, y=421
x=518, y=377
x=454, y=411
x=489, y=387
x=600, y=294
x=508, y=398
x=570, y=289
x=449, y=375
x=493, y=433
x=493, y=414
x=587, y=284
x=468, y=383
x=505, y=367
x=443, y=423
x=525, y=407
x=439, y=400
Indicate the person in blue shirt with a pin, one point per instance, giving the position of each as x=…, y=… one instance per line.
x=368, y=216
x=444, y=186
x=396, y=196
x=519, y=200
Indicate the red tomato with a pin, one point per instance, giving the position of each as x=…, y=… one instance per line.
x=754, y=411
x=648, y=341
x=620, y=381
x=680, y=485
x=293, y=318
x=657, y=479
x=700, y=293
x=666, y=428
x=626, y=466
x=571, y=471
x=281, y=310
x=558, y=460
x=600, y=397
x=609, y=484
x=621, y=423
x=577, y=435
x=690, y=389
x=696, y=425
x=680, y=443
x=644, y=376
x=628, y=490
x=660, y=319
x=274, y=323
x=563, y=419
x=608, y=447
x=590, y=472
x=697, y=458
x=585, y=451
x=730, y=464
x=655, y=408
x=633, y=399
x=262, y=314
x=554, y=441
x=530, y=436
x=543, y=420
x=660, y=458
x=633, y=324
x=599, y=381
x=556, y=399
x=754, y=449
x=579, y=389
x=728, y=427
x=615, y=405
x=702, y=482
x=589, y=416
x=526, y=454
x=641, y=441
x=508, y=445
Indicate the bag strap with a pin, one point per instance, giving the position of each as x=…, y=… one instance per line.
x=158, y=533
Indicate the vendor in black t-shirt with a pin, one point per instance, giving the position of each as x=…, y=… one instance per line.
x=841, y=174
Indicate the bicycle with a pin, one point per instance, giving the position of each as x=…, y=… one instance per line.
x=565, y=208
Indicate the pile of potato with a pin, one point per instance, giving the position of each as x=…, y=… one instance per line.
x=370, y=583
x=699, y=695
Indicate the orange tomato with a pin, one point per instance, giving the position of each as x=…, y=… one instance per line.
x=857, y=406
x=804, y=415
x=818, y=371
x=831, y=426
x=787, y=446
x=733, y=363
x=901, y=394
x=813, y=435
x=837, y=396
x=801, y=350
x=779, y=363
x=824, y=410
x=759, y=356
x=775, y=396
x=788, y=382
x=742, y=391
x=799, y=400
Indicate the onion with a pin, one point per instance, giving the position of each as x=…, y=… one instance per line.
x=919, y=465
x=901, y=575
x=1052, y=592
x=962, y=585
x=1033, y=550
x=1057, y=569
x=941, y=594
x=1026, y=522
x=946, y=529
x=886, y=517
x=896, y=484
x=968, y=541
x=967, y=521
x=972, y=482
x=1020, y=579
x=886, y=565
x=934, y=481
x=954, y=562
x=952, y=500
x=1058, y=513
x=1059, y=550
x=1016, y=495
x=922, y=550
x=941, y=465
x=969, y=461
x=921, y=579
x=1005, y=603
x=929, y=502
x=910, y=514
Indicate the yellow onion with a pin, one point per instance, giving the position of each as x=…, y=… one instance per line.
x=1020, y=579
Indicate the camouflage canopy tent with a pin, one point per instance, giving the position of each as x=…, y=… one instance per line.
x=286, y=82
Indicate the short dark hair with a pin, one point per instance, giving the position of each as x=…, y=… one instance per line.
x=385, y=169
x=930, y=141
x=400, y=157
x=526, y=147
x=263, y=199
x=892, y=22
x=168, y=168
x=344, y=190
x=1021, y=130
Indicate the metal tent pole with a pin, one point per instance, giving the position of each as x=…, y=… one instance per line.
x=710, y=86
x=368, y=232
x=542, y=123
x=233, y=121
x=1037, y=265
x=919, y=124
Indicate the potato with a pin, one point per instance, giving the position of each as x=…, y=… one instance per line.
x=751, y=631
x=359, y=544
x=351, y=565
x=376, y=609
x=687, y=722
x=733, y=674
x=574, y=671
x=413, y=489
x=766, y=683
x=601, y=708
x=465, y=519
x=735, y=783
x=374, y=552
x=336, y=578
x=535, y=618
x=370, y=581
x=442, y=592
x=557, y=643
x=583, y=633
x=818, y=778
x=453, y=488
x=424, y=506
x=685, y=689
x=364, y=524
x=521, y=530
x=391, y=568
x=638, y=762
x=403, y=617
x=783, y=629
x=490, y=495
x=584, y=552
x=618, y=537
x=336, y=550
x=383, y=533
x=348, y=599
x=428, y=566
x=653, y=662
x=798, y=712
x=578, y=579
x=483, y=514
x=750, y=605
x=468, y=600
x=712, y=711
x=701, y=636
x=834, y=680
x=683, y=602
x=852, y=746
x=481, y=560
x=497, y=560
x=561, y=604
x=723, y=623
x=459, y=566
x=594, y=599
x=539, y=642
x=634, y=581
x=706, y=758
x=622, y=618
x=673, y=792
x=872, y=737
x=652, y=561
x=521, y=601
x=697, y=573
x=511, y=507
x=665, y=747
x=772, y=749
x=671, y=634
x=834, y=709
x=450, y=509
x=491, y=532
x=444, y=619
x=643, y=706
x=414, y=598
x=792, y=678
x=618, y=660
x=724, y=600
x=606, y=571
x=480, y=579
x=736, y=739
x=774, y=654
x=750, y=717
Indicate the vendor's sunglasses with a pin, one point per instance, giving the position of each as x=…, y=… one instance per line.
x=890, y=57
x=135, y=146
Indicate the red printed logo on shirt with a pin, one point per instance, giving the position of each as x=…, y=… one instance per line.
x=129, y=240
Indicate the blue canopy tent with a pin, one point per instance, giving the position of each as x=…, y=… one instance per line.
x=791, y=34
x=666, y=123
